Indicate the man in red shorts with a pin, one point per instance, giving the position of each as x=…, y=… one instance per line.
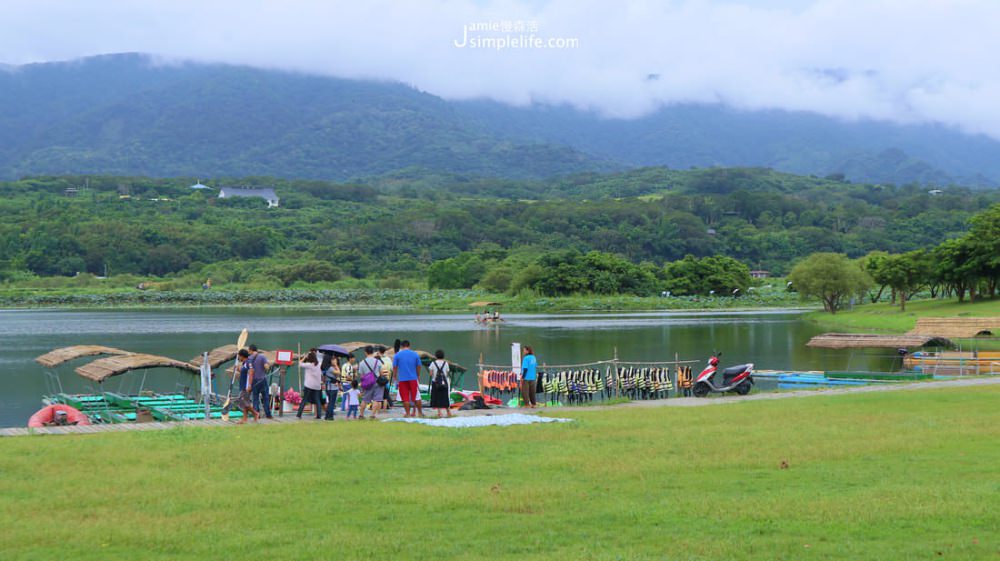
x=406, y=369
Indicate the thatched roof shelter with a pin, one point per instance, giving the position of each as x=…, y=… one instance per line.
x=485, y=304
x=56, y=357
x=218, y=356
x=227, y=353
x=104, y=368
x=355, y=346
x=867, y=340
x=957, y=327
x=426, y=358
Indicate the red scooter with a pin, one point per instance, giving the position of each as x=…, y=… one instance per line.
x=737, y=379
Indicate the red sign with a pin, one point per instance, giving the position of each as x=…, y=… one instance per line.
x=283, y=357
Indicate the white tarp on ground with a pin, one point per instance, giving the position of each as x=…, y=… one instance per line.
x=482, y=421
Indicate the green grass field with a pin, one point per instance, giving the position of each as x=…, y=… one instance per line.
x=898, y=475
x=887, y=318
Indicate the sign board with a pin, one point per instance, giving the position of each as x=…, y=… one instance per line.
x=283, y=357
x=515, y=357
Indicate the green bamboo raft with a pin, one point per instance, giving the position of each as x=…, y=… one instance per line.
x=111, y=407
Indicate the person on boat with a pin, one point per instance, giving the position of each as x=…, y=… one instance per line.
x=261, y=389
x=440, y=383
x=479, y=317
x=246, y=387
x=312, y=384
x=496, y=315
x=331, y=376
x=368, y=373
x=60, y=419
x=406, y=370
x=529, y=373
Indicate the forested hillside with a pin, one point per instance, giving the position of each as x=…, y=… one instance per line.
x=128, y=115
x=133, y=115
x=399, y=225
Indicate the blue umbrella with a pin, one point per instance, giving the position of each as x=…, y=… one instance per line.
x=333, y=350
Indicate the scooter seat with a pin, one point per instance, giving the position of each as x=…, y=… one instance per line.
x=734, y=370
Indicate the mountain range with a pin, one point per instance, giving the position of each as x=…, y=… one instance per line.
x=131, y=114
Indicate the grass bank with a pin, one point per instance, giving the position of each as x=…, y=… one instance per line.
x=405, y=298
x=887, y=318
x=895, y=475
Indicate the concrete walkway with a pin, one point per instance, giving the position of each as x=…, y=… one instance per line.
x=398, y=411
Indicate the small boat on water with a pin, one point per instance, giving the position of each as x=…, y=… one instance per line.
x=954, y=363
x=57, y=415
x=487, y=313
x=821, y=379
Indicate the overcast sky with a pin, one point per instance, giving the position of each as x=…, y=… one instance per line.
x=901, y=60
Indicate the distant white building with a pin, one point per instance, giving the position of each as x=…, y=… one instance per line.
x=199, y=186
x=266, y=194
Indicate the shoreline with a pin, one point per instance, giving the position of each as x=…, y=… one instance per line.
x=455, y=301
x=683, y=402
x=391, y=307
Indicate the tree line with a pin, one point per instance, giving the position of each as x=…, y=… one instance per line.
x=400, y=227
x=967, y=266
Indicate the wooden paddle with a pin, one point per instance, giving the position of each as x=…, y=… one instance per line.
x=240, y=341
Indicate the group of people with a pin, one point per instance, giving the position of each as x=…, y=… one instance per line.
x=364, y=385
x=487, y=316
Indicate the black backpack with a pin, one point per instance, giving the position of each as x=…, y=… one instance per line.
x=440, y=380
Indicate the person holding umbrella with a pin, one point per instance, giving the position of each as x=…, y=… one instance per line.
x=331, y=375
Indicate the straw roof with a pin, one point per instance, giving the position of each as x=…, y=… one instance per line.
x=217, y=356
x=957, y=328
x=358, y=345
x=866, y=340
x=427, y=357
x=227, y=353
x=104, y=368
x=56, y=357
x=484, y=304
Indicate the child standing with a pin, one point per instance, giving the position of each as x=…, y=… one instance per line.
x=352, y=398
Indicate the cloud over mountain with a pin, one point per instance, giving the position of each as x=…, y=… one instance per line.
x=910, y=61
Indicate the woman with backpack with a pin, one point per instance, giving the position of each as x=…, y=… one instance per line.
x=440, y=383
x=368, y=372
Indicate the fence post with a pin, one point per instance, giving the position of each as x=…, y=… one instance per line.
x=206, y=385
x=479, y=374
x=281, y=391
x=614, y=369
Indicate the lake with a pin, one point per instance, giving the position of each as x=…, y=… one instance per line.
x=770, y=339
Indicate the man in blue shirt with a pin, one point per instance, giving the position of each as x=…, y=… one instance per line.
x=405, y=368
x=261, y=389
x=529, y=374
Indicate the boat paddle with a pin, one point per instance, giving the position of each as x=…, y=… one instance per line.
x=240, y=341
